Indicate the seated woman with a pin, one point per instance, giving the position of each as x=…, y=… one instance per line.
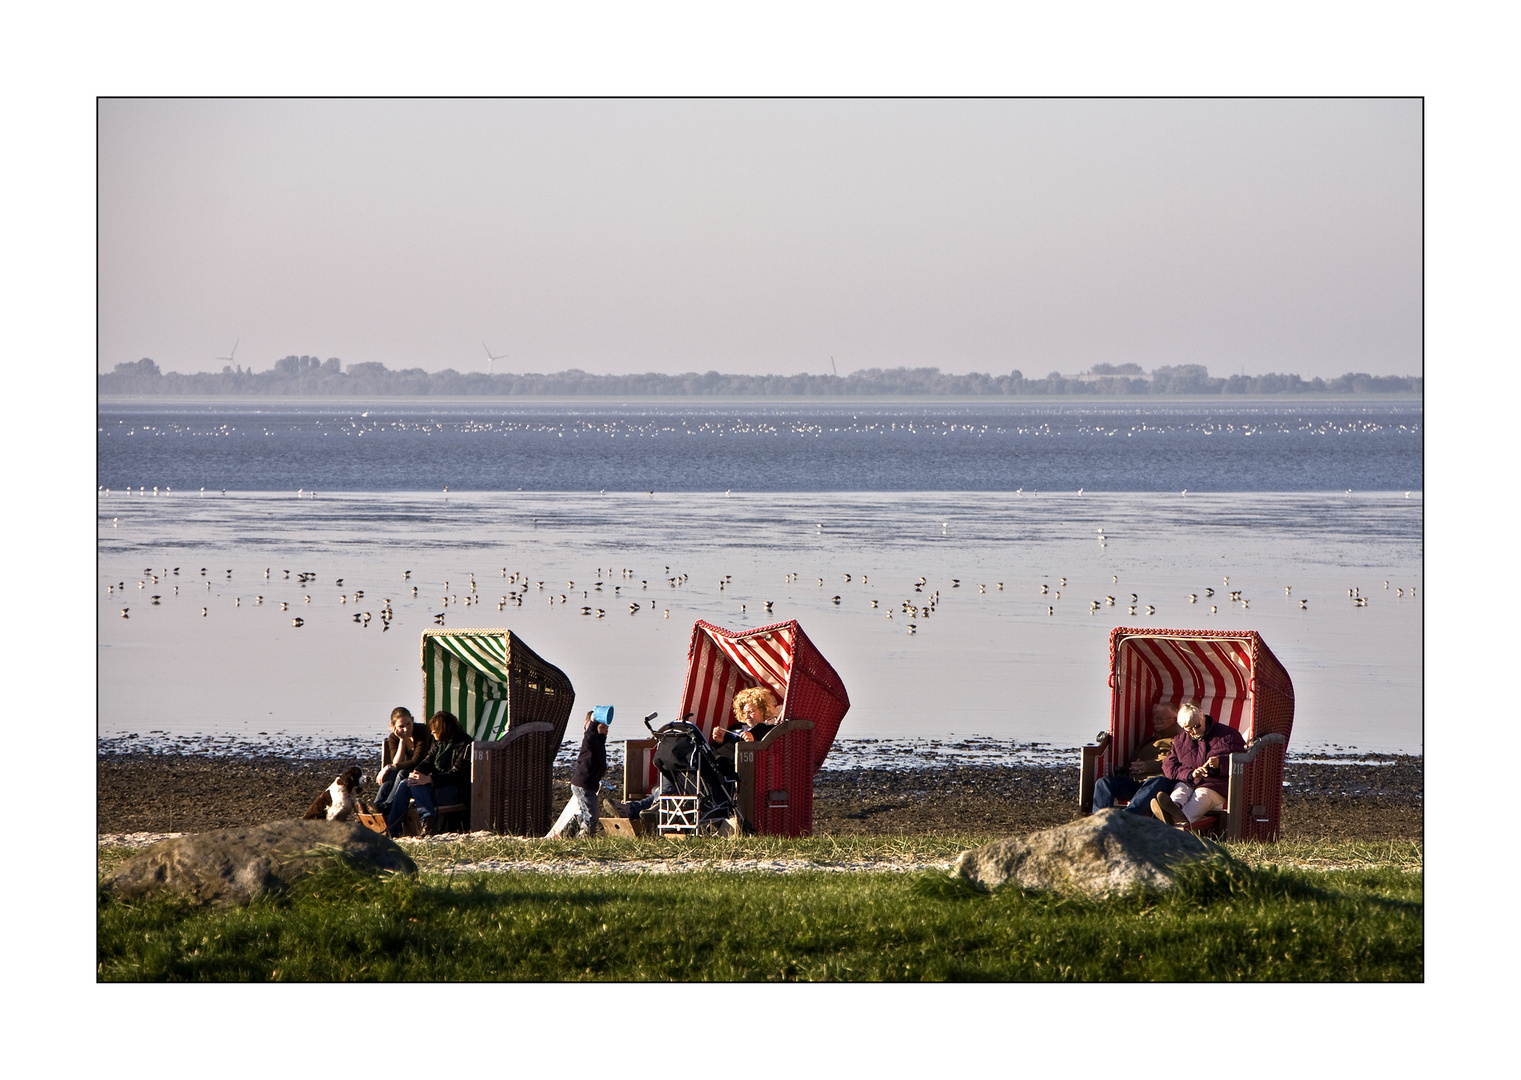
x=755, y=710
x=439, y=779
x=1196, y=767
x=407, y=744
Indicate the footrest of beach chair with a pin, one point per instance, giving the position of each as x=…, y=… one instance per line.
x=454, y=818
x=1209, y=823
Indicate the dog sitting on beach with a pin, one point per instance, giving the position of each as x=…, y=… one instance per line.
x=341, y=799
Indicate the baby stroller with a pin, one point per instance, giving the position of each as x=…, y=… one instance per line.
x=699, y=790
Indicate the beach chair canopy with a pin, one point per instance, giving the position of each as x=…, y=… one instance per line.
x=780, y=657
x=1232, y=673
x=493, y=682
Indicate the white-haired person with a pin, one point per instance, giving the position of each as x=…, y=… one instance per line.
x=1196, y=765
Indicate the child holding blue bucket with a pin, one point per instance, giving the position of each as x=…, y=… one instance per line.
x=580, y=814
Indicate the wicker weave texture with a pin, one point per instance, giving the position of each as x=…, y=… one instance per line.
x=776, y=784
x=538, y=692
x=519, y=786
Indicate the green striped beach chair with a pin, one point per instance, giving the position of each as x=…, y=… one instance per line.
x=516, y=706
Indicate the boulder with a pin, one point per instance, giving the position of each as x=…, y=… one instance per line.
x=1108, y=852
x=234, y=866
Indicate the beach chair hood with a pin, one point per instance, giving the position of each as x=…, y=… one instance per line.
x=493, y=682
x=1232, y=673
x=779, y=657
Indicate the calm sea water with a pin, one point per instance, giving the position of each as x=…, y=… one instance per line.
x=1226, y=447
x=1013, y=650
x=1016, y=517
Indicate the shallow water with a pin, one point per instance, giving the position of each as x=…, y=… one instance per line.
x=996, y=659
x=1229, y=444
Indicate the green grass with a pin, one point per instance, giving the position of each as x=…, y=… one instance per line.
x=1320, y=855
x=1223, y=921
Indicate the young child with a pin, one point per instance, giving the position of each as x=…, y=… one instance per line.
x=580, y=813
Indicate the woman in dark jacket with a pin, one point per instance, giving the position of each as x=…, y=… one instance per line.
x=439, y=779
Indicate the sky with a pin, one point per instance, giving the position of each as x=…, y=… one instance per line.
x=763, y=235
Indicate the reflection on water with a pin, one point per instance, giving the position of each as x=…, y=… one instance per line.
x=1001, y=646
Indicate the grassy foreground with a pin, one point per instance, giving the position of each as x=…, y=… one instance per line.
x=1260, y=918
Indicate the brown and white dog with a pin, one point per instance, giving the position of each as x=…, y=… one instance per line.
x=341, y=798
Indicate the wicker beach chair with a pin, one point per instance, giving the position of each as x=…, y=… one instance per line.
x=1237, y=680
x=776, y=771
x=515, y=706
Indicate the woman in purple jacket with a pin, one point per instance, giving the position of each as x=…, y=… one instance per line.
x=1198, y=762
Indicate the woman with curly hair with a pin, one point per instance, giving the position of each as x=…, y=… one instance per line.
x=755, y=710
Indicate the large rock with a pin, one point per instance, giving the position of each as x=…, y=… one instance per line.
x=1108, y=852
x=233, y=866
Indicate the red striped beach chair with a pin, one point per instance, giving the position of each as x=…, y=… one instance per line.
x=776, y=772
x=516, y=706
x=1236, y=679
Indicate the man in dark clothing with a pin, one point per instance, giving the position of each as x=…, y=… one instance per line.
x=1143, y=779
x=580, y=813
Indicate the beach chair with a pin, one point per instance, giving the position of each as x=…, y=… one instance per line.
x=515, y=706
x=776, y=771
x=1236, y=679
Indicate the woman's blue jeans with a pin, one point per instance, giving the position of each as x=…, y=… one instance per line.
x=424, y=796
x=387, y=790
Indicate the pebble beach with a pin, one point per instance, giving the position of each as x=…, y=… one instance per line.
x=147, y=794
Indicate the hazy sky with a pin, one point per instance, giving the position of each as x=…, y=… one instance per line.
x=764, y=235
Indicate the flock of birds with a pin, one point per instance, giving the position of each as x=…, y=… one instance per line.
x=919, y=605
x=911, y=611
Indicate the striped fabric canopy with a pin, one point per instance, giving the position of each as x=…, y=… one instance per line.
x=779, y=657
x=491, y=681
x=1233, y=674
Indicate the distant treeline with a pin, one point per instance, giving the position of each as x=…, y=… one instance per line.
x=309, y=377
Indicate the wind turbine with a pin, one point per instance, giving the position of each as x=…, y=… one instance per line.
x=490, y=360
x=234, y=352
